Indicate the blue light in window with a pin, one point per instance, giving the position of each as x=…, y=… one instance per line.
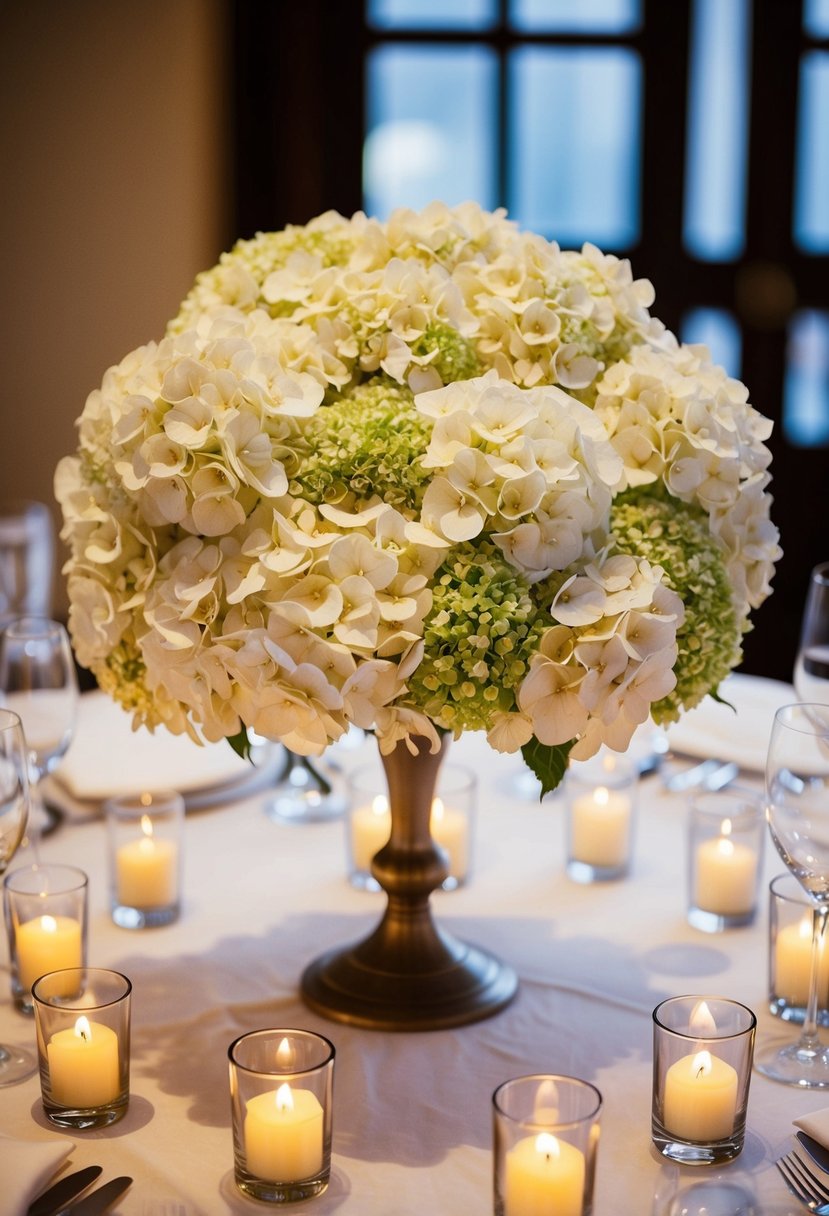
x=718, y=330
x=574, y=143
x=431, y=113
x=816, y=18
x=806, y=387
x=811, y=212
x=432, y=14
x=576, y=16
x=715, y=173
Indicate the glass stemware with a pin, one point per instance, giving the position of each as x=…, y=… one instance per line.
x=797, y=809
x=38, y=682
x=811, y=673
x=15, y=1063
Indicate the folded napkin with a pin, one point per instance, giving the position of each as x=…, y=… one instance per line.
x=26, y=1166
x=714, y=731
x=106, y=757
x=816, y=1125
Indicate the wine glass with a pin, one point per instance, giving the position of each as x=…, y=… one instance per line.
x=15, y=1063
x=811, y=673
x=38, y=682
x=27, y=554
x=797, y=810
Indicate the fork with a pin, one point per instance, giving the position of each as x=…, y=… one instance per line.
x=805, y=1185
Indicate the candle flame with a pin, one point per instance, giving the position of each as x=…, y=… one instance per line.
x=146, y=799
x=609, y=764
x=702, y=1019
x=725, y=847
x=701, y=1064
x=437, y=809
x=284, y=1097
x=380, y=805
x=146, y=825
x=725, y=827
x=545, y=1109
x=547, y=1146
x=285, y=1054
x=82, y=1029
x=601, y=795
x=48, y=924
x=804, y=929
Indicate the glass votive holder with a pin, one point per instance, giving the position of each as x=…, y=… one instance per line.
x=546, y=1134
x=703, y=1050
x=368, y=823
x=281, y=1097
x=601, y=804
x=82, y=1017
x=726, y=835
x=145, y=839
x=790, y=953
x=46, y=912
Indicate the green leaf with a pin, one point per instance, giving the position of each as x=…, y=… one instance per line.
x=548, y=763
x=240, y=743
x=714, y=694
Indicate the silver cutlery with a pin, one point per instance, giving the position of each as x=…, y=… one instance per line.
x=63, y=1191
x=803, y=1184
x=816, y=1151
x=99, y=1200
x=710, y=775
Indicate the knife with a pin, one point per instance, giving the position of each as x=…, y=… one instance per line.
x=63, y=1191
x=99, y=1200
x=816, y=1151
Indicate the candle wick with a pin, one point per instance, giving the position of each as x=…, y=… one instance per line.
x=84, y=1035
x=701, y=1070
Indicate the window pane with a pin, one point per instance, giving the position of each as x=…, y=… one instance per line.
x=806, y=390
x=816, y=18
x=811, y=212
x=432, y=14
x=431, y=114
x=576, y=178
x=719, y=331
x=715, y=171
x=581, y=16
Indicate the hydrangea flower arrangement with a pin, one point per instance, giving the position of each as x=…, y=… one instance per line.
x=434, y=474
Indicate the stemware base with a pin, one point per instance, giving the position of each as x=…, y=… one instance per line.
x=795, y=1064
x=16, y=1064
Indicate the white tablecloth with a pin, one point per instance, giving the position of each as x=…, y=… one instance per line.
x=412, y=1118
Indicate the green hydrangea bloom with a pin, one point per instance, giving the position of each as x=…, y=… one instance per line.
x=482, y=628
x=675, y=536
x=122, y=676
x=456, y=358
x=368, y=440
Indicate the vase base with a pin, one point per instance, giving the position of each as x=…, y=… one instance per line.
x=468, y=986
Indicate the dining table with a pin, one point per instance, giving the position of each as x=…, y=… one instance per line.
x=412, y=1119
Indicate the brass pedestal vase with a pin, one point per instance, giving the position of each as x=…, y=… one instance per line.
x=409, y=974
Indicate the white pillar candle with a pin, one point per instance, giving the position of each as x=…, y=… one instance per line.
x=543, y=1174
x=793, y=964
x=83, y=1065
x=146, y=870
x=46, y=943
x=700, y=1098
x=600, y=828
x=450, y=829
x=725, y=875
x=283, y=1135
x=370, y=830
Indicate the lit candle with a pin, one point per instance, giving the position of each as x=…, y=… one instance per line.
x=793, y=964
x=725, y=875
x=450, y=829
x=543, y=1174
x=83, y=1064
x=146, y=870
x=46, y=943
x=700, y=1097
x=283, y=1135
x=370, y=830
x=600, y=828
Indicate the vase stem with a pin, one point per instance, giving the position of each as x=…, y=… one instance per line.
x=408, y=974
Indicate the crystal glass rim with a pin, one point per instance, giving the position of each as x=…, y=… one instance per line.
x=90, y=971
x=83, y=877
x=131, y=803
x=555, y=1077
x=9, y=719
x=797, y=896
x=284, y=1031
x=813, y=728
x=820, y=573
x=35, y=626
x=704, y=802
x=695, y=1038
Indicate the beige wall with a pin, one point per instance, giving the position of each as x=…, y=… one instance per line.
x=113, y=172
